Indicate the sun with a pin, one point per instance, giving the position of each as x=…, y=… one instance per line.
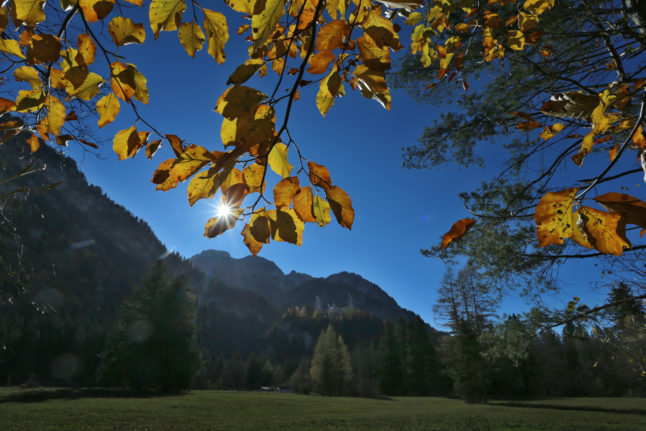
x=224, y=210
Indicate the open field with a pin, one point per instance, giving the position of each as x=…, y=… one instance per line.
x=71, y=410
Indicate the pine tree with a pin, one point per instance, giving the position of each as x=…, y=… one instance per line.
x=331, y=369
x=154, y=343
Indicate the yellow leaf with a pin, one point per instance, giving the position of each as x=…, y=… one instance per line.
x=285, y=190
x=165, y=15
x=332, y=35
x=89, y=88
x=286, y=226
x=462, y=27
x=30, y=100
x=191, y=37
x=381, y=30
x=12, y=47
x=141, y=88
x=217, y=33
x=553, y=217
x=330, y=87
x=206, y=184
x=95, y=10
x=124, y=31
x=55, y=114
x=599, y=230
x=107, y=107
x=551, y=131
x=372, y=84
x=243, y=6
x=414, y=19
x=537, y=7
x=127, y=142
x=218, y=225
x=373, y=56
x=341, y=206
x=28, y=74
x=34, y=143
x=29, y=12
x=277, y=160
x=516, y=40
x=265, y=17
x=458, y=229
x=321, y=211
x=586, y=146
x=87, y=50
x=253, y=176
x=238, y=101
x=260, y=225
x=245, y=71
x=252, y=244
x=254, y=134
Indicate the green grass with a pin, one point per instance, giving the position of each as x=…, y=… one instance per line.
x=40, y=410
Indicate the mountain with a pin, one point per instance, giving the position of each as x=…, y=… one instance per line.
x=295, y=289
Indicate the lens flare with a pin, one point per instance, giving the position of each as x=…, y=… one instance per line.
x=224, y=210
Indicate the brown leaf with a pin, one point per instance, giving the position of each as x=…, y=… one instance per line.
x=285, y=190
x=332, y=35
x=43, y=48
x=320, y=62
x=458, y=229
x=303, y=202
x=252, y=244
x=176, y=144
x=152, y=148
x=631, y=209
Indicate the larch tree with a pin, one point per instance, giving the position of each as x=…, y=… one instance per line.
x=331, y=368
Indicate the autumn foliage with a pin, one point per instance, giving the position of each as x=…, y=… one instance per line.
x=337, y=45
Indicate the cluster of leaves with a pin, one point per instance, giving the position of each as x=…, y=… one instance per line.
x=340, y=40
x=443, y=39
x=335, y=42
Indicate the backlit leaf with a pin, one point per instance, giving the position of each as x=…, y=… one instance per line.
x=55, y=114
x=12, y=47
x=285, y=190
x=277, y=160
x=7, y=105
x=553, y=217
x=286, y=226
x=89, y=88
x=107, y=107
x=381, y=30
x=458, y=229
x=329, y=88
x=265, y=17
x=245, y=71
x=34, y=143
x=303, y=201
x=320, y=62
x=243, y=6
x=218, y=225
x=249, y=240
x=599, y=230
x=86, y=50
x=373, y=56
x=341, y=206
x=253, y=176
x=29, y=12
x=319, y=175
x=191, y=37
x=551, y=131
x=239, y=100
x=95, y=10
x=372, y=84
x=260, y=226
x=321, y=211
x=28, y=74
x=124, y=31
x=176, y=144
x=30, y=100
x=631, y=209
x=332, y=35
x=516, y=40
x=165, y=15
x=152, y=148
x=217, y=33
x=206, y=184
x=127, y=142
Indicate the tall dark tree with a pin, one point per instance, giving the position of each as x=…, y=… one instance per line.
x=154, y=343
x=331, y=368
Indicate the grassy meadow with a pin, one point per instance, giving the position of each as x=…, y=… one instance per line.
x=71, y=410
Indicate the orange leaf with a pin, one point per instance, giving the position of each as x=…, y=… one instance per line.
x=320, y=62
x=599, y=230
x=284, y=191
x=458, y=229
x=341, y=206
x=638, y=138
x=631, y=209
x=319, y=175
x=331, y=35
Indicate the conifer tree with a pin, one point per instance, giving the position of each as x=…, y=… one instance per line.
x=154, y=343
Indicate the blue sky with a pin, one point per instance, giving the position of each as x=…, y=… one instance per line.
x=398, y=211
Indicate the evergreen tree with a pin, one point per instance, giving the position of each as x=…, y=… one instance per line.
x=331, y=368
x=391, y=372
x=154, y=343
